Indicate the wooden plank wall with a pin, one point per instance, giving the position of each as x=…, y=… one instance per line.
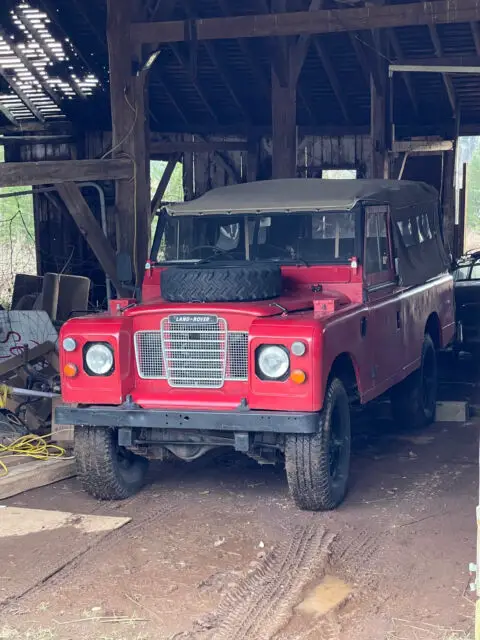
x=314, y=153
x=60, y=245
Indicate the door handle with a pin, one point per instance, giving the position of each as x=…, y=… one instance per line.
x=363, y=326
x=399, y=320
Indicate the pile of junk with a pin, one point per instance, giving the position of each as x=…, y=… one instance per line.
x=29, y=367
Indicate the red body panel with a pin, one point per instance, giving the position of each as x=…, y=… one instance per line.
x=382, y=332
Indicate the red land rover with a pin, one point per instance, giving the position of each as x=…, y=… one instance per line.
x=267, y=309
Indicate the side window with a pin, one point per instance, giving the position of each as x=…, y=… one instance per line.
x=475, y=275
x=377, y=246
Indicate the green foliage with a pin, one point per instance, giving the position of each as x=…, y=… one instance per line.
x=473, y=192
x=174, y=191
x=16, y=214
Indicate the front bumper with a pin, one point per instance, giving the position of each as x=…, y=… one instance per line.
x=243, y=420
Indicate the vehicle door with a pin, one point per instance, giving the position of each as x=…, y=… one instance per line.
x=384, y=317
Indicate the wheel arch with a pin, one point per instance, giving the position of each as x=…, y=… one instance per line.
x=344, y=367
x=434, y=329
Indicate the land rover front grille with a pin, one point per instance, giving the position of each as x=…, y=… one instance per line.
x=192, y=353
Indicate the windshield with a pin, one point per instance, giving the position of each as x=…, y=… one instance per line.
x=308, y=237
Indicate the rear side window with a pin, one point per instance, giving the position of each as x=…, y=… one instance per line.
x=475, y=275
x=462, y=273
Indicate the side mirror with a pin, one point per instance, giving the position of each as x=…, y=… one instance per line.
x=124, y=268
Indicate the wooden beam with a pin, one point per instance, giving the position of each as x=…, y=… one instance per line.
x=457, y=64
x=447, y=81
x=130, y=134
x=19, y=174
x=35, y=474
x=9, y=116
x=306, y=22
x=397, y=49
x=162, y=147
x=164, y=180
x=332, y=77
x=12, y=82
x=78, y=208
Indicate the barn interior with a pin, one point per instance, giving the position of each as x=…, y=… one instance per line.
x=110, y=110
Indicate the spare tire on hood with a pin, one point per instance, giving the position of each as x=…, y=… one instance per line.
x=227, y=281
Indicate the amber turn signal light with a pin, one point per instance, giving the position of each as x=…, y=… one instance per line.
x=70, y=370
x=298, y=376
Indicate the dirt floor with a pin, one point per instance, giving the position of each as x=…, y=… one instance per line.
x=216, y=550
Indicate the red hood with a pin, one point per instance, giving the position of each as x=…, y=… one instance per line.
x=290, y=301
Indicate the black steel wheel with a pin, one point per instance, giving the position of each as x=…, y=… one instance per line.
x=414, y=400
x=318, y=465
x=106, y=470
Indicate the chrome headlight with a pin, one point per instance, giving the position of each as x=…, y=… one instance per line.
x=99, y=359
x=273, y=361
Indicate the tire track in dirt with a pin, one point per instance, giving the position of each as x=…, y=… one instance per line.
x=262, y=603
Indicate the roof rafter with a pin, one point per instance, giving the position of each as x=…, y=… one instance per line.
x=31, y=68
x=198, y=88
x=476, y=36
x=397, y=49
x=8, y=115
x=447, y=81
x=332, y=77
x=222, y=69
x=25, y=20
x=58, y=19
x=248, y=52
x=21, y=94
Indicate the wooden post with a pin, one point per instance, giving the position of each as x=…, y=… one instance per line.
x=462, y=212
x=378, y=131
x=130, y=133
x=284, y=129
x=252, y=159
x=448, y=201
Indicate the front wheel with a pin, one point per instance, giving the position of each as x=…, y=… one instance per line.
x=318, y=464
x=106, y=470
x=415, y=399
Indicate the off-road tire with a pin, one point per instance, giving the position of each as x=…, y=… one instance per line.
x=413, y=406
x=226, y=281
x=107, y=471
x=308, y=457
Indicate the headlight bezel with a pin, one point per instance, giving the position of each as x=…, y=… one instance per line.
x=86, y=348
x=261, y=373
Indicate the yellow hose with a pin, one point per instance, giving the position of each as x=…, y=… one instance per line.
x=30, y=446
